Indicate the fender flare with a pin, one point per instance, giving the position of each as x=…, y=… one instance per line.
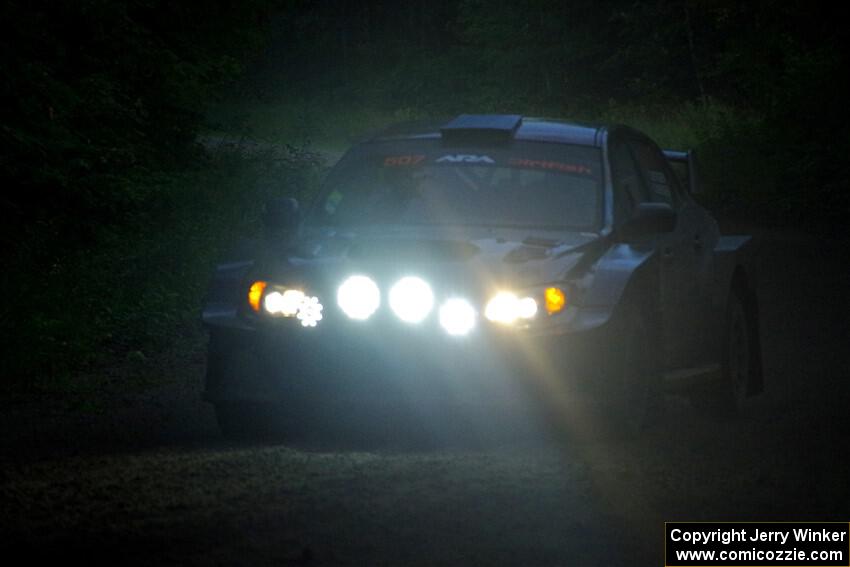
x=618, y=273
x=736, y=265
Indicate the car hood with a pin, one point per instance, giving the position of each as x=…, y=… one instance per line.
x=463, y=259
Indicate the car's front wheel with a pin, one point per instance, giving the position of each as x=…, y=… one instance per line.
x=634, y=393
x=620, y=387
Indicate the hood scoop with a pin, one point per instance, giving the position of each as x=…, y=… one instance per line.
x=532, y=248
x=525, y=253
x=412, y=250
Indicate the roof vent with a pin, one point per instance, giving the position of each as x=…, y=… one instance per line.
x=481, y=128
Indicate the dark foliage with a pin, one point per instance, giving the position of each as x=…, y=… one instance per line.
x=100, y=102
x=96, y=90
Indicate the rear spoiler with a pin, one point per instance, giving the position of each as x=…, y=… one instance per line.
x=685, y=165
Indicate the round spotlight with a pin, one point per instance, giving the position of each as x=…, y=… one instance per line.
x=457, y=316
x=411, y=299
x=358, y=297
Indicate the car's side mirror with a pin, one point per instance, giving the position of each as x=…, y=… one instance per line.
x=282, y=214
x=649, y=219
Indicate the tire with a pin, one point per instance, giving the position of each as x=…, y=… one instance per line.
x=726, y=398
x=631, y=398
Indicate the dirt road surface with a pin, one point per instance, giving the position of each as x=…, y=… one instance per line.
x=147, y=480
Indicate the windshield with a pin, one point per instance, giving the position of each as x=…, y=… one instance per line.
x=523, y=185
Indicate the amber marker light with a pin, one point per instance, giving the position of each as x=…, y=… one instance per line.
x=255, y=293
x=555, y=300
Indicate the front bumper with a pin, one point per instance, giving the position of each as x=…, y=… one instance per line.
x=384, y=362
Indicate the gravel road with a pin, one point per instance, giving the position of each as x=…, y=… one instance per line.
x=147, y=480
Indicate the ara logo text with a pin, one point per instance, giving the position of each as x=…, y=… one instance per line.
x=465, y=158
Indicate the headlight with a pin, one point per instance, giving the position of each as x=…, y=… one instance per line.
x=280, y=301
x=411, y=299
x=359, y=297
x=310, y=312
x=287, y=303
x=506, y=307
x=457, y=316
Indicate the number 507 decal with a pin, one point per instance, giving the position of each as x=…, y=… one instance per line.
x=396, y=161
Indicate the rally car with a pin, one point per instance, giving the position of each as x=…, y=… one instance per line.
x=490, y=258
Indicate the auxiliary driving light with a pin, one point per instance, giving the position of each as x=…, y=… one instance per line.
x=506, y=307
x=457, y=316
x=411, y=299
x=359, y=297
